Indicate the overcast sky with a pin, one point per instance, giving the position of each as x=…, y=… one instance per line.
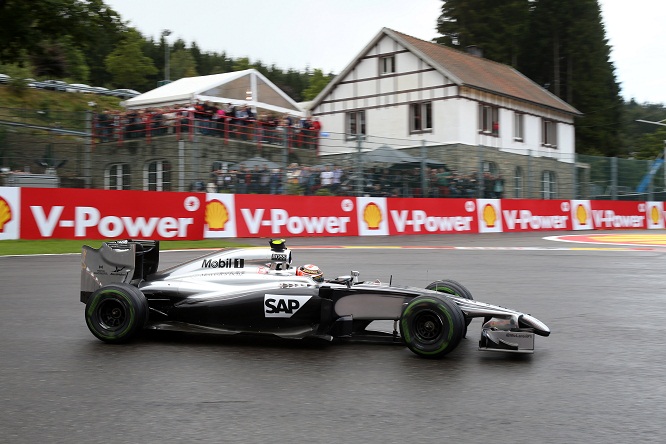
x=328, y=34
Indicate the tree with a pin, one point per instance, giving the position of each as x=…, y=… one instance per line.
x=128, y=65
x=651, y=145
x=182, y=65
x=241, y=64
x=58, y=59
x=77, y=67
x=495, y=27
x=316, y=84
x=569, y=57
x=644, y=140
x=40, y=28
x=50, y=60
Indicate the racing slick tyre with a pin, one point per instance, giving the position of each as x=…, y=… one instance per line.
x=116, y=312
x=432, y=326
x=451, y=287
x=455, y=288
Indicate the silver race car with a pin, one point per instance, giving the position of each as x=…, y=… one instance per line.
x=258, y=291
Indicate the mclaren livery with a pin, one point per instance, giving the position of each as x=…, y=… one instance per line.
x=258, y=291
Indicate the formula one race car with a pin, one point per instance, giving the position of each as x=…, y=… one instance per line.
x=258, y=291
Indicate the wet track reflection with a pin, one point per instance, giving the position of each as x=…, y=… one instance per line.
x=598, y=378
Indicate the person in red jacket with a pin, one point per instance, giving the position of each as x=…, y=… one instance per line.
x=315, y=128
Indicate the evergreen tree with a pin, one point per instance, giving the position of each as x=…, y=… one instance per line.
x=316, y=83
x=571, y=58
x=559, y=44
x=495, y=27
x=128, y=65
x=182, y=65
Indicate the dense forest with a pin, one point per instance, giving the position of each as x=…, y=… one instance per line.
x=85, y=41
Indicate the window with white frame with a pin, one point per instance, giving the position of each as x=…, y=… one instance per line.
x=117, y=177
x=518, y=183
x=548, y=185
x=387, y=65
x=488, y=166
x=549, y=133
x=489, y=119
x=355, y=124
x=518, y=125
x=157, y=176
x=420, y=117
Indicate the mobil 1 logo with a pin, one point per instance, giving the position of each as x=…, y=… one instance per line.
x=282, y=306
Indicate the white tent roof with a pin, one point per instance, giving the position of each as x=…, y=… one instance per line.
x=240, y=87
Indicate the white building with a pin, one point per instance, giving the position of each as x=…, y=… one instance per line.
x=412, y=90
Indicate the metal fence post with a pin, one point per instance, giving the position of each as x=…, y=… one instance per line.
x=87, y=153
x=479, y=174
x=359, y=167
x=285, y=159
x=663, y=165
x=424, y=182
x=575, y=189
x=613, y=178
x=651, y=182
x=181, y=165
x=529, y=174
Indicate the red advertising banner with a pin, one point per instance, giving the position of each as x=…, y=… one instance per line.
x=101, y=214
x=272, y=215
x=431, y=216
x=616, y=214
x=535, y=215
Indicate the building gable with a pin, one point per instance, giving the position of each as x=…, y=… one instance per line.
x=457, y=68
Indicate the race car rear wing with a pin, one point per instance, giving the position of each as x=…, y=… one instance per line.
x=117, y=261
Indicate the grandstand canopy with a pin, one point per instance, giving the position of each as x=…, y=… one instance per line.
x=240, y=87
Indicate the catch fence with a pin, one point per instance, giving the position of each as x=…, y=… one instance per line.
x=179, y=152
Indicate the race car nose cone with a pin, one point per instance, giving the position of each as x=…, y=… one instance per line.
x=539, y=327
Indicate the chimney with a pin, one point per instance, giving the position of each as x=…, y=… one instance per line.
x=475, y=51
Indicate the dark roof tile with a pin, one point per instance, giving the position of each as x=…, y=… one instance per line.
x=484, y=74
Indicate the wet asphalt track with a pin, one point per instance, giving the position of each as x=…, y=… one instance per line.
x=599, y=378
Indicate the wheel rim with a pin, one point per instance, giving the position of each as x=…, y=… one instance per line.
x=112, y=314
x=428, y=326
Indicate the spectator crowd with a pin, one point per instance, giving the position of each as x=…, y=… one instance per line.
x=335, y=180
x=240, y=122
x=210, y=119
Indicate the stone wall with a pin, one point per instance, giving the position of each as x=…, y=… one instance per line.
x=190, y=159
x=467, y=160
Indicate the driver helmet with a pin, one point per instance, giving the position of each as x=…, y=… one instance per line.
x=312, y=271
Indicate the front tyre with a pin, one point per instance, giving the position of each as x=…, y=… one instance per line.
x=115, y=313
x=432, y=326
x=451, y=287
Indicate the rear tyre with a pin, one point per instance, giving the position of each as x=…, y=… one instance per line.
x=432, y=326
x=115, y=313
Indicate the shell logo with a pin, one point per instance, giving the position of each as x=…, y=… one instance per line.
x=581, y=214
x=489, y=216
x=372, y=216
x=654, y=215
x=5, y=213
x=216, y=216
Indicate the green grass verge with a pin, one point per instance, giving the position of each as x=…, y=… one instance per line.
x=58, y=246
